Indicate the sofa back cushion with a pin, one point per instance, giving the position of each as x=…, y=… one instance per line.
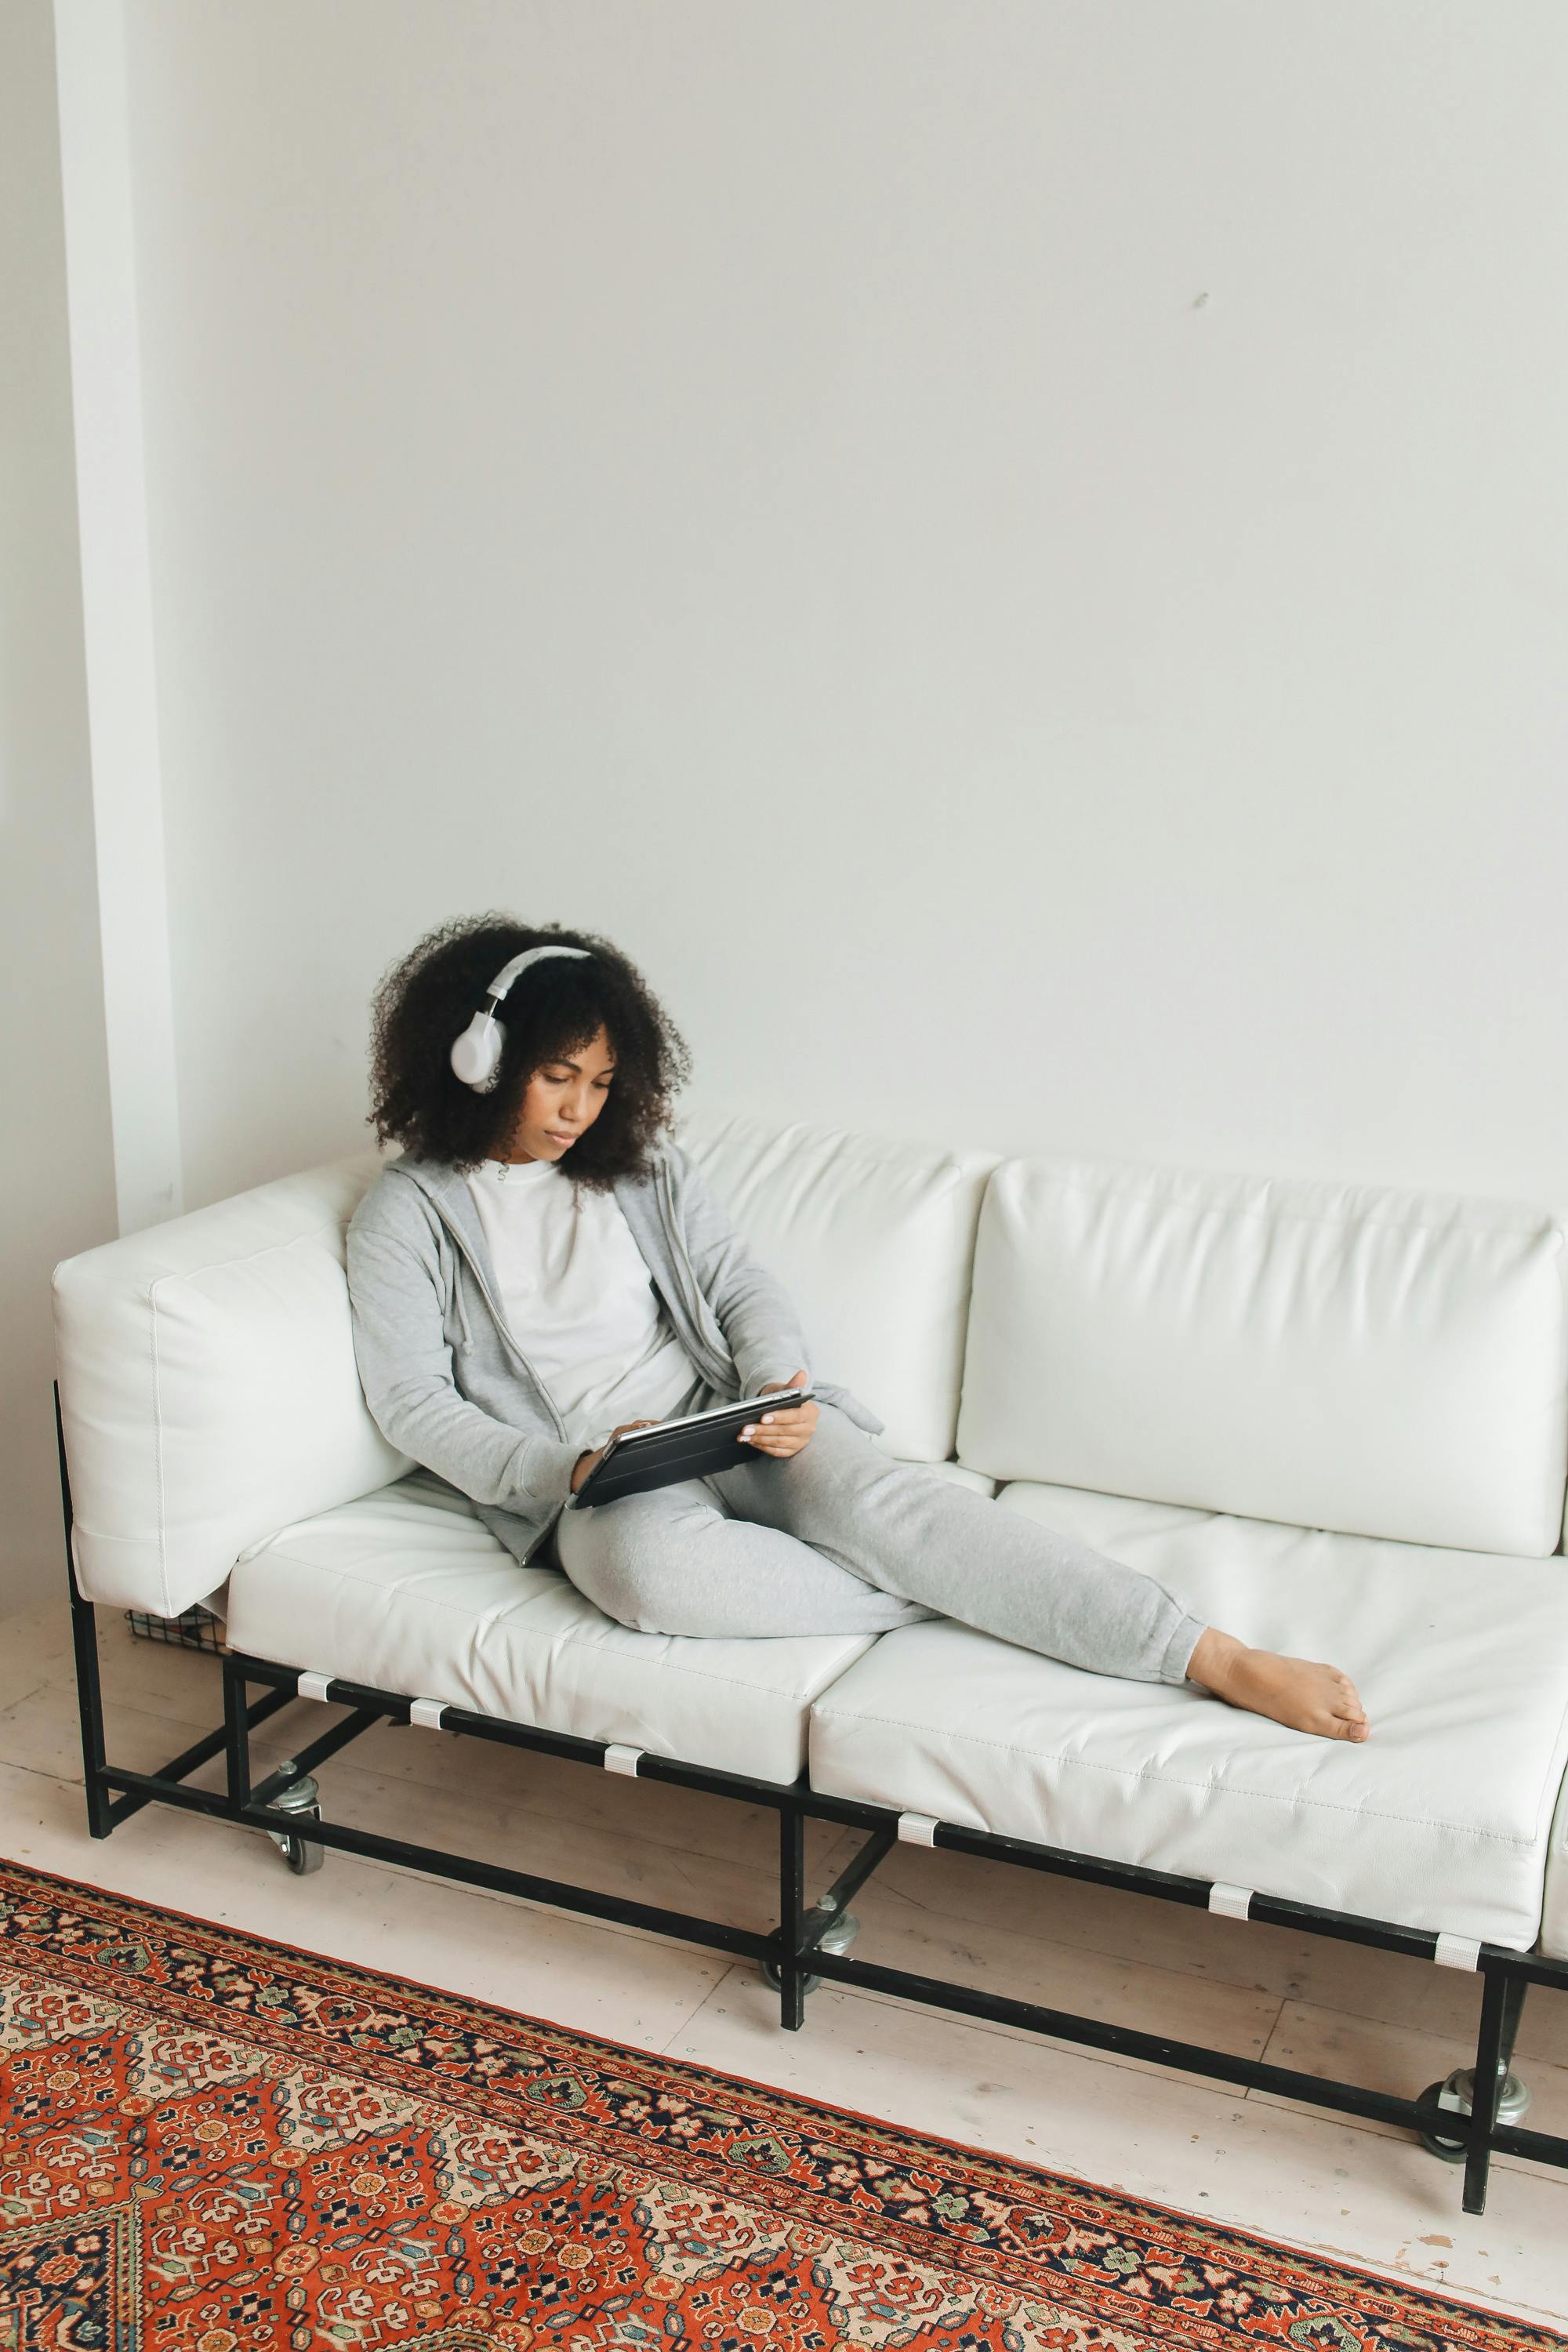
x=1377, y=1362
x=874, y=1241
x=208, y=1388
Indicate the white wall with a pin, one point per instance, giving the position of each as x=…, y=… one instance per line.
x=56, y=1187
x=1035, y=535
x=116, y=588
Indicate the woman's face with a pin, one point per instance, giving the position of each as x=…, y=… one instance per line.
x=562, y=1099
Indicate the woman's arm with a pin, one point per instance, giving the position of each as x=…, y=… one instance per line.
x=406, y=1371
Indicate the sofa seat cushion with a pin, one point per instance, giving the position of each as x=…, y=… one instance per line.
x=1440, y=1820
x=407, y=1591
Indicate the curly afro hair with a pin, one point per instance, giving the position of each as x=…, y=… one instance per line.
x=428, y=998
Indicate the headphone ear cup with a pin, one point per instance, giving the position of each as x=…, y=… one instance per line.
x=476, y=1056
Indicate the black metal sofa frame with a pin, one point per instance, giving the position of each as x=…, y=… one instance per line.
x=794, y=1955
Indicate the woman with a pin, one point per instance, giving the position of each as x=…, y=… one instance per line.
x=541, y=1270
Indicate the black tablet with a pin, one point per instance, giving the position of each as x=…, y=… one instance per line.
x=692, y=1447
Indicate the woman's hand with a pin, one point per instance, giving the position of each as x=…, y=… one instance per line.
x=590, y=1462
x=782, y=1434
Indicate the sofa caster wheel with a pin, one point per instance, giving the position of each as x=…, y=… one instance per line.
x=1452, y=2097
x=1446, y=2151
x=300, y=1801
x=836, y=1937
x=301, y=1855
x=771, y=1977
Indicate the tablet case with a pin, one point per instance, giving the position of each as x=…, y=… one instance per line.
x=661, y=1456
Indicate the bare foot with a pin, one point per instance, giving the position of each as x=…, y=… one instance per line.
x=1294, y=1691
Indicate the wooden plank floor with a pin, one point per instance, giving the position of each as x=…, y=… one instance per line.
x=1361, y=2191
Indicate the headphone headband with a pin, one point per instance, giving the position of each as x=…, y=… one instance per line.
x=476, y=1054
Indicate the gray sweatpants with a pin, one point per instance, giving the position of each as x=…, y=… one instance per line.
x=841, y=1539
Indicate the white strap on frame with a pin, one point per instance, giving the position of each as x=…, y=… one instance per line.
x=917, y=1829
x=1457, y=1952
x=1230, y=1902
x=623, y=1759
x=426, y=1713
x=312, y=1686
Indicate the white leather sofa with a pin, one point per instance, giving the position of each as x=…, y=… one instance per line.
x=1331, y=1418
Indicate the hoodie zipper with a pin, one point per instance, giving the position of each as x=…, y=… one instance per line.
x=672, y=1229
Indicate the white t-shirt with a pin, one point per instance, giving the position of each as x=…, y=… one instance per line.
x=578, y=1298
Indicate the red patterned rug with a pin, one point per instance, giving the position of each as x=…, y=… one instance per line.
x=219, y=2144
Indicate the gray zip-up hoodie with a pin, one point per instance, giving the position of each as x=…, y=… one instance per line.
x=449, y=1383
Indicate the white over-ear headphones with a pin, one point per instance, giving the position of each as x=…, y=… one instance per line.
x=476, y=1056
